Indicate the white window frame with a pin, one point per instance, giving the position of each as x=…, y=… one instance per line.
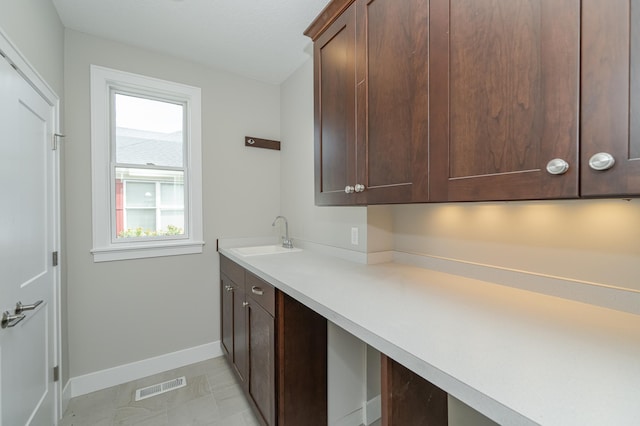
x=103, y=81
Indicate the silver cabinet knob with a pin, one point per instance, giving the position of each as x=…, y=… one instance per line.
x=359, y=187
x=602, y=161
x=349, y=189
x=228, y=288
x=245, y=304
x=557, y=166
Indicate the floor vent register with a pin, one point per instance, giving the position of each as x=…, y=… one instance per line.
x=161, y=388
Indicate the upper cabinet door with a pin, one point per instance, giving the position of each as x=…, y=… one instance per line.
x=393, y=100
x=610, y=97
x=504, y=99
x=335, y=111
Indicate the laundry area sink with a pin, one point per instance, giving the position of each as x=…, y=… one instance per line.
x=262, y=250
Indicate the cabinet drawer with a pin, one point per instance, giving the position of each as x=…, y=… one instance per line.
x=232, y=270
x=261, y=292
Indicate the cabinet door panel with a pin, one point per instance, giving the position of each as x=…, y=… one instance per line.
x=240, y=337
x=302, y=364
x=395, y=156
x=611, y=95
x=334, y=95
x=262, y=362
x=408, y=399
x=504, y=98
x=226, y=318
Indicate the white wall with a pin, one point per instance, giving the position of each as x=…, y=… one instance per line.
x=125, y=311
x=325, y=225
x=35, y=28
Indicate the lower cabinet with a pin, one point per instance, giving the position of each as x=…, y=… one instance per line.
x=260, y=314
x=277, y=348
x=233, y=318
x=410, y=400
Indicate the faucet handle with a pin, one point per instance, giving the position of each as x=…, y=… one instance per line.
x=287, y=243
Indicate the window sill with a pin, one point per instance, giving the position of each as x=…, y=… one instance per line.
x=142, y=251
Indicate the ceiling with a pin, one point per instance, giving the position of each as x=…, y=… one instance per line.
x=259, y=39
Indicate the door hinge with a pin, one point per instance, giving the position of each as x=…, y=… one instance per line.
x=54, y=258
x=56, y=373
x=56, y=136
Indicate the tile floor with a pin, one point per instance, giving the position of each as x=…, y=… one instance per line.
x=212, y=397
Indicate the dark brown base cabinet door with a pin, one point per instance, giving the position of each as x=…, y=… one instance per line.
x=262, y=370
x=302, y=364
x=277, y=347
x=504, y=99
x=226, y=319
x=240, y=335
x=393, y=100
x=410, y=400
x=610, y=97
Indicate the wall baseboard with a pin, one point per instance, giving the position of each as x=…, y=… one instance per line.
x=369, y=413
x=373, y=410
x=103, y=379
x=351, y=419
x=66, y=397
x=373, y=258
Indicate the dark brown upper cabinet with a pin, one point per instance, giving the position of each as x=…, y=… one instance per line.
x=610, y=98
x=476, y=100
x=371, y=102
x=335, y=111
x=504, y=99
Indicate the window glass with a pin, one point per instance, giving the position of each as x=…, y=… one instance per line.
x=172, y=220
x=140, y=194
x=141, y=220
x=148, y=135
x=148, y=132
x=149, y=203
x=172, y=194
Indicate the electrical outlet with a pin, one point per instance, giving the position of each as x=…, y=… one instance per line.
x=354, y=236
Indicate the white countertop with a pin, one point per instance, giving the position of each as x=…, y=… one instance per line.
x=516, y=356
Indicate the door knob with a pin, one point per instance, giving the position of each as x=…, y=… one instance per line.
x=557, y=166
x=601, y=161
x=20, y=308
x=359, y=187
x=9, y=320
x=349, y=189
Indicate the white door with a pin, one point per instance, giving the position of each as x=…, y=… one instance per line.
x=27, y=221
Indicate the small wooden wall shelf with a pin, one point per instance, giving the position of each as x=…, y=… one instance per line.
x=252, y=142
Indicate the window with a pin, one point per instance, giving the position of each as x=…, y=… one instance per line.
x=147, y=185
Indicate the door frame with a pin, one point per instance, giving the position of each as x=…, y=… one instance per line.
x=10, y=51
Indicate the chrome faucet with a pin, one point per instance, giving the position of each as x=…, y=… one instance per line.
x=286, y=242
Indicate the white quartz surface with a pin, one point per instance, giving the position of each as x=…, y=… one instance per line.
x=516, y=356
